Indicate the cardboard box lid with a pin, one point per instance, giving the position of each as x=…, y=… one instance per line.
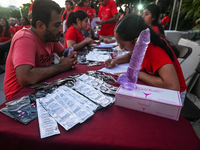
x=154, y=94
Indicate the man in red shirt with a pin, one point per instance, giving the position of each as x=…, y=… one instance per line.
x=31, y=51
x=108, y=15
x=13, y=24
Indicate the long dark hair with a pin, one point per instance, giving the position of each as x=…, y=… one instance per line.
x=130, y=27
x=155, y=13
x=6, y=33
x=74, y=15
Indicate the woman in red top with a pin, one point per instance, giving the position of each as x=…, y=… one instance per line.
x=151, y=15
x=5, y=38
x=85, y=6
x=25, y=22
x=160, y=67
x=76, y=22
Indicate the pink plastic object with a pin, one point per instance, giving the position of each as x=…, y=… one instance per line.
x=129, y=80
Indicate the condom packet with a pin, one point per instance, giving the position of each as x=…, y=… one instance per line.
x=83, y=101
x=47, y=125
x=91, y=93
x=99, y=84
x=101, y=76
x=25, y=111
x=5, y=111
x=63, y=116
x=70, y=104
x=94, y=64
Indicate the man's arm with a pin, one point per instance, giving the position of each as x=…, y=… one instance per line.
x=27, y=74
x=111, y=20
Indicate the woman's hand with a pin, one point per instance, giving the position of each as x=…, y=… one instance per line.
x=110, y=63
x=87, y=40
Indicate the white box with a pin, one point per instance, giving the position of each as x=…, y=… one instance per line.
x=157, y=101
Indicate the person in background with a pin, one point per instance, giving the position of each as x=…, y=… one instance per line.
x=6, y=38
x=109, y=17
x=121, y=14
x=68, y=10
x=18, y=22
x=93, y=9
x=25, y=22
x=151, y=15
x=85, y=6
x=165, y=21
x=76, y=22
x=160, y=67
x=30, y=56
x=135, y=11
x=12, y=23
x=127, y=11
x=2, y=70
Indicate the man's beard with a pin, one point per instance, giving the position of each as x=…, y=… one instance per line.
x=50, y=37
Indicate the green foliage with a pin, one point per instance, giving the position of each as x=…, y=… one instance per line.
x=7, y=12
x=191, y=10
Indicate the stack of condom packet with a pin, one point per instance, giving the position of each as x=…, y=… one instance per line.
x=23, y=110
x=72, y=105
x=99, y=84
x=47, y=125
x=63, y=116
x=82, y=100
x=94, y=63
x=5, y=110
x=91, y=93
x=101, y=76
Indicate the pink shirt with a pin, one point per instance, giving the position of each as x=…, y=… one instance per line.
x=27, y=48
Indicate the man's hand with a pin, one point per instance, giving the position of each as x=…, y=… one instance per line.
x=87, y=40
x=100, y=22
x=69, y=62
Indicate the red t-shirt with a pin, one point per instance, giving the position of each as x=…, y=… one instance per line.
x=27, y=26
x=27, y=48
x=156, y=29
x=165, y=20
x=106, y=12
x=16, y=28
x=155, y=58
x=87, y=10
x=94, y=11
x=31, y=7
x=64, y=17
x=8, y=37
x=73, y=34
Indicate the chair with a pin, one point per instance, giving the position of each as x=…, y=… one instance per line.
x=184, y=52
x=191, y=62
x=190, y=111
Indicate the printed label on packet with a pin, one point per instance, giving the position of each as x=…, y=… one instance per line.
x=48, y=126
